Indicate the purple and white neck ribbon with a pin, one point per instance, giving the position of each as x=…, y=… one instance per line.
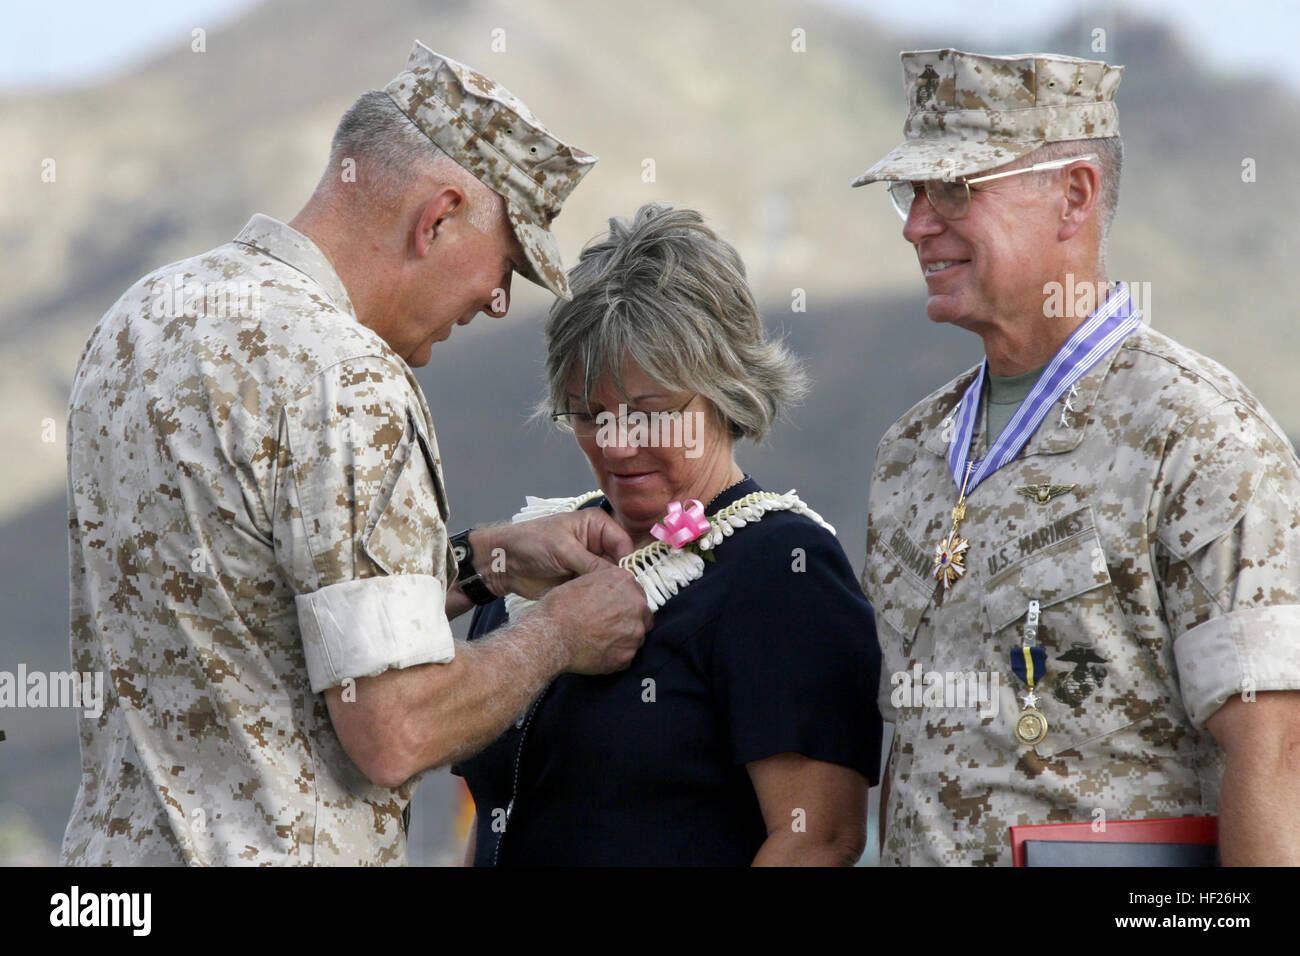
x=1103, y=331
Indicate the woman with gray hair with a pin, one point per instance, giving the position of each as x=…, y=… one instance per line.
x=745, y=731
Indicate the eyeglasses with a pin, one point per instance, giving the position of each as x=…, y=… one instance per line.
x=951, y=200
x=585, y=424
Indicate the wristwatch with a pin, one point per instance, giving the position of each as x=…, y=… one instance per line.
x=467, y=579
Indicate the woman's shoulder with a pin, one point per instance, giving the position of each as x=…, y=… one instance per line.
x=782, y=536
x=792, y=524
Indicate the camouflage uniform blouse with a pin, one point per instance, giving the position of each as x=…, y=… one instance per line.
x=1157, y=523
x=256, y=513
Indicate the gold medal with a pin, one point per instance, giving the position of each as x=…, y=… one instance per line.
x=1031, y=726
x=950, y=553
x=1028, y=662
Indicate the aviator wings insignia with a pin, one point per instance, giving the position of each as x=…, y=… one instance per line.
x=1042, y=494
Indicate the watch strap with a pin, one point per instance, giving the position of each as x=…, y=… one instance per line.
x=474, y=589
x=468, y=580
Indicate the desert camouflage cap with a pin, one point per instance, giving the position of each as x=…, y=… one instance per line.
x=967, y=112
x=490, y=132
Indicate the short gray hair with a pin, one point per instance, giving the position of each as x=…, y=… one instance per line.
x=665, y=291
x=391, y=153
x=1110, y=163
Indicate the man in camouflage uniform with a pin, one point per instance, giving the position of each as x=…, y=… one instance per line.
x=1130, y=513
x=259, y=553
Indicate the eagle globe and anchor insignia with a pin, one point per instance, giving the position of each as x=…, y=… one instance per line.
x=1074, y=686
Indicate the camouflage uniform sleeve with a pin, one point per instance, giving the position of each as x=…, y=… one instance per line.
x=359, y=530
x=1228, y=554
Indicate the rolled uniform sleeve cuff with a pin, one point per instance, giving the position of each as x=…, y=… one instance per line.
x=364, y=627
x=1252, y=650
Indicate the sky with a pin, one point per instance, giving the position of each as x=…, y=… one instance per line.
x=1236, y=35
x=70, y=42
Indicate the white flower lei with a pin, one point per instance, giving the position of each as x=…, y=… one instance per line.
x=661, y=569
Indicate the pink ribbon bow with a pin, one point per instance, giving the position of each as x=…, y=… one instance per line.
x=681, y=527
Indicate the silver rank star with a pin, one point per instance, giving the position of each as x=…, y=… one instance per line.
x=1074, y=393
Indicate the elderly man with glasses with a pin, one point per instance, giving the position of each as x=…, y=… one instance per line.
x=1093, y=534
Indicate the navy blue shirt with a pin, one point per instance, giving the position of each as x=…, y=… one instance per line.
x=773, y=650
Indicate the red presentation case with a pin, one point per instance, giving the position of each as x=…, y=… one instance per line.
x=1200, y=830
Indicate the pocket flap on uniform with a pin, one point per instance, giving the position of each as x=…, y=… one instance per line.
x=429, y=450
x=408, y=535
x=1050, y=563
x=901, y=568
